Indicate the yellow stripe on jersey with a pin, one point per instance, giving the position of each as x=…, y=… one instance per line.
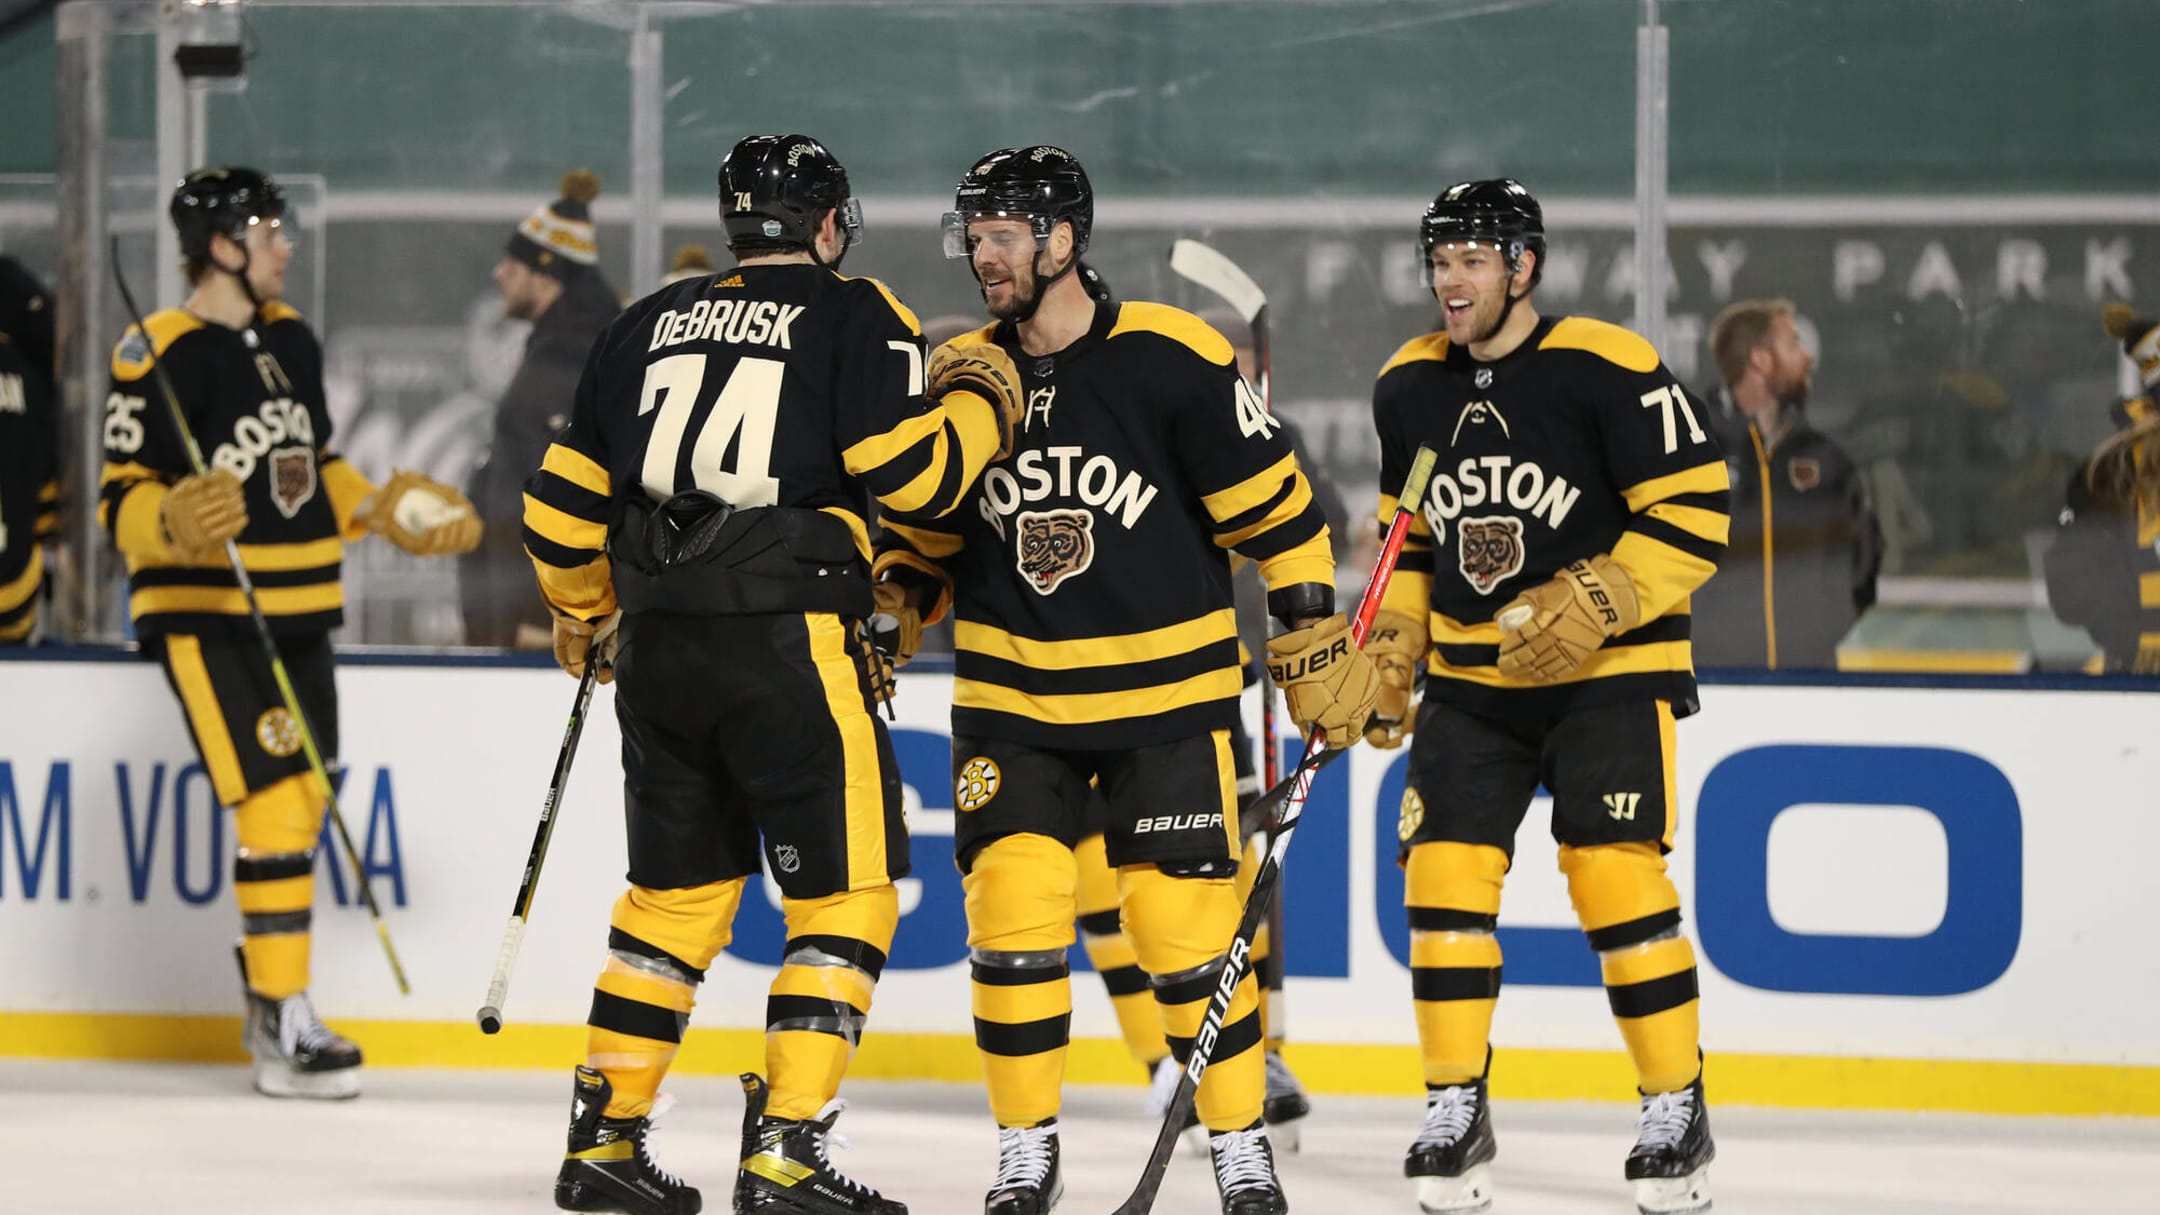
x=855, y=525
x=976, y=430
x=1289, y=508
x=1179, y=326
x=1623, y=348
x=2149, y=590
x=1446, y=630
x=1711, y=525
x=348, y=487
x=935, y=545
x=1249, y=494
x=279, y=310
x=562, y=527
x=1425, y=348
x=228, y=601
x=901, y=310
x=1708, y=477
x=25, y=584
x=1086, y=708
x=1312, y=561
x=131, y=355
x=1082, y=653
x=586, y=592
x=577, y=468
x=259, y=558
x=137, y=532
x=1651, y=658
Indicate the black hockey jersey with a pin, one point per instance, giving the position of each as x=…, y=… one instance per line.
x=254, y=401
x=770, y=385
x=1090, y=570
x=1578, y=442
x=29, y=490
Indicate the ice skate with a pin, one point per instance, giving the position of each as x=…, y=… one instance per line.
x=1163, y=1086
x=1028, y=1180
x=784, y=1169
x=1286, y=1105
x=296, y=1055
x=1453, y=1149
x=1670, y=1163
x=608, y=1165
x=1245, y=1172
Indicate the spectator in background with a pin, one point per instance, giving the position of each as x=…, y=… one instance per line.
x=1805, y=546
x=691, y=261
x=2103, y=570
x=29, y=449
x=550, y=275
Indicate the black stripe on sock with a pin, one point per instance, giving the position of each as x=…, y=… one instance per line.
x=1633, y=932
x=806, y=1008
x=635, y=1017
x=1185, y=991
x=1017, y=976
x=273, y=868
x=1432, y=983
x=1448, y=919
x=1100, y=923
x=1235, y=1039
x=1124, y=980
x=1653, y=996
x=275, y=923
x=1024, y=1039
x=618, y=939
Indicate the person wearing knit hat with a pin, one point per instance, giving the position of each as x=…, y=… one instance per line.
x=691, y=261
x=550, y=275
x=2107, y=542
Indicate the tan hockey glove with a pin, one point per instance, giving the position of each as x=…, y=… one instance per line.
x=423, y=516
x=987, y=371
x=902, y=639
x=1550, y=629
x=1326, y=682
x=577, y=641
x=1396, y=645
x=201, y=512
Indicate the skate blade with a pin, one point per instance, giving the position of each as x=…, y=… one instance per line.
x=1456, y=1195
x=1285, y=1135
x=1195, y=1140
x=277, y=1080
x=1674, y=1195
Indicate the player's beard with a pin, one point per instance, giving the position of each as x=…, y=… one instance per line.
x=1020, y=302
x=1486, y=317
x=1793, y=393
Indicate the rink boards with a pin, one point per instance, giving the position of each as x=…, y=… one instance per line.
x=1901, y=897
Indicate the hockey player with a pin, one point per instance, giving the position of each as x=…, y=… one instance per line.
x=248, y=376
x=29, y=449
x=1096, y=638
x=713, y=487
x=1577, y=501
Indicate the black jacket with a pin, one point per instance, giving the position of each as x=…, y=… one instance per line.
x=1804, y=551
x=496, y=588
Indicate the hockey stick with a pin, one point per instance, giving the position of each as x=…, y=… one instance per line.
x=1238, y=959
x=262, y=633
x=1210, y=268
x=490, y=1014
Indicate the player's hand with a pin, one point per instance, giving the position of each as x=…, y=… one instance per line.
x=1552, y=628
x=896, y=628
x=423, y=516
x=1326, y=681
x=985, y=369
x=201, y=512
x=580, y=641
x=1396, y=645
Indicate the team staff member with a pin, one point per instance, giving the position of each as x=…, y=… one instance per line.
x=1096, y=638
x=714, y=482
x=248, y=375
x=1577, y=502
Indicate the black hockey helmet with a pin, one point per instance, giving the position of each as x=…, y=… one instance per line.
x=222, y=200
x=1497, y=211
x=1041, y=184
x=775, y=188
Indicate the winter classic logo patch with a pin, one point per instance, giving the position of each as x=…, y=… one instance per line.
x=1055, y=545
x=1490, y=550
x=978, y=783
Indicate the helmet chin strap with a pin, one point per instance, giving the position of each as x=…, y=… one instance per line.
x=1500, y=322
x=1042, y=285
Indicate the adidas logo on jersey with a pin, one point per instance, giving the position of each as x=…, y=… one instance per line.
x=1497, y=481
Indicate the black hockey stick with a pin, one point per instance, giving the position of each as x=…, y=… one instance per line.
x=1238, y=959
x=262, y=633
x=490, y=1014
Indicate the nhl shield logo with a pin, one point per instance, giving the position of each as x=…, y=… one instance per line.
x=786, y=859
x=1483, y=378
x=1055, y=545
x=292, y=478
x=1489, y=550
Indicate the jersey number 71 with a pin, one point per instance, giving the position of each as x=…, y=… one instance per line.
x=1674, y=400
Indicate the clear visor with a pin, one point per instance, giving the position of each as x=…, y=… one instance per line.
x=960, y=241
x=851, y=225
x=284, y=228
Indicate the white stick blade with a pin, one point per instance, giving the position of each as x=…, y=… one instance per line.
x=1205, y=265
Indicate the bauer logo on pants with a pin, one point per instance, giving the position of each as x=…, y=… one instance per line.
x=278, y=733
x=978, y=783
